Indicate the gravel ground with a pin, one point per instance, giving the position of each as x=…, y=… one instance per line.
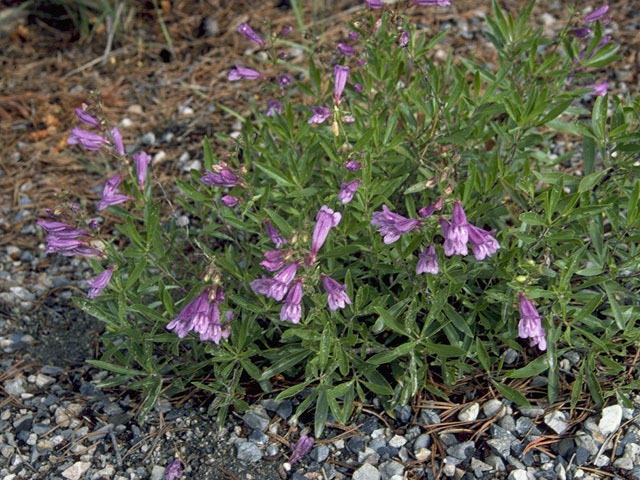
x=56, y=424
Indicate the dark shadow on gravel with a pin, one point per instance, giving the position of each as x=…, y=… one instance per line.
x=64, y=334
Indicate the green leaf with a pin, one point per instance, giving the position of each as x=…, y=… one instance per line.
x=591, y=180
x=391, y=355
x=511, y=394
x=483, y=356
x=115, y=368
x=322, y=412
x=275, y=174
x=615, y=307
x=292, y=359
x=135, y=274
x=531, y=369
x=588, y=154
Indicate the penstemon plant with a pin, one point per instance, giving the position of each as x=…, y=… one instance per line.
x=386, y=219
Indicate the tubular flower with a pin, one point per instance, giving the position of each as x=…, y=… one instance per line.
x=248, y=32
x=223, y=177
x=597, y=14
x=281, y=282
x=392, y=226
x=85, y=118
x=374, y=3
x=230, y=200
x=320, y=114
x=86, y=139
x=357, y=88
x=273, y=107
x=274, y=259
x=326, y=219
x=291, y=309
x=353, y=165
x=348, y=190
x=63, y=238
x=482, y=242
x=456, y=233
x=600, y=88
x=142, y=161
x=346, y=49
x=202, y=315
x=284, y=81
x=530, y=325
x=275, y=237
x=432, y=3
x=354, y=36
x=109, y=195
x=302, y=447
x=100, y=282
x=173, y=471
x=428, y=261
x=337, y=297
x=239, y=72
x=340, y=74
x=404, y=39
x=117, y=140
x=580, y=32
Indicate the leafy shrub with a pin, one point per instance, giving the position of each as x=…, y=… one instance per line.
x=419, y=216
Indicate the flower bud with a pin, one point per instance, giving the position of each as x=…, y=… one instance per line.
x=521, y=278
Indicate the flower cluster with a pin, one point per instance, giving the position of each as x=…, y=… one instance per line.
x=202, y=315
x=284, y=284
x=458, y=232
x=530, y=325
x=68, y=240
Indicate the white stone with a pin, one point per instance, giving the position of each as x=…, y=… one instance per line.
x=449, y=469
x=624, y=463
x=492, y=407
x=157, y=472
x=423, y=454
x=518, y=475
x=601, y=461
x=556, y=421
x=397, y=441
x=611, y=418
x=469, y=413
x=159, y=157
x=76, y=471
x=366, y=472
x=43, y=381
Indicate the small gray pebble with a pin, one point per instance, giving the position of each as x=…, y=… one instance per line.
x=319, y=454
x=248, y=452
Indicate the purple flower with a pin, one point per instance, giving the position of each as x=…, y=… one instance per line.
x=275, y=237
x=346, y=49
x=456, y=233
x=426, y=212
x=326, y=219
x=284, y=81
x=580, y=32
x=100, y=282
x=431, y=3
x=337, y=297
x=238, y=73
x=348, y=190
x=596, y=14
x=340, y=74
x=274, y=259
x=374, y=3
x=117, y=140
x=64, y=238
x=357, y=88
x=230, y=200
x=273, y=107
x=281, y=282
x=142, y=161
x=428, y=261
x=362, y=62
x=85, y=118
x=530, y=325
x=353, y=165
x=302, y=447
x=599, y=88
x=262, y=285
x=248, y=32
x=222, y=177
x=109, y=195
x=202, y=315
x=173, y=471
x=291, y=309
x=320, y=114
x=404, y=38
x=86, y=139
x=53, y=226
x=392, y=225
x=482, y=242
x=353, y=35
x=286, y=30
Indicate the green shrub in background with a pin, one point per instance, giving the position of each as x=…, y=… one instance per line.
x=412, y=219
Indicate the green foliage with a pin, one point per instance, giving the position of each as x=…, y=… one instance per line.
x=423, y=130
